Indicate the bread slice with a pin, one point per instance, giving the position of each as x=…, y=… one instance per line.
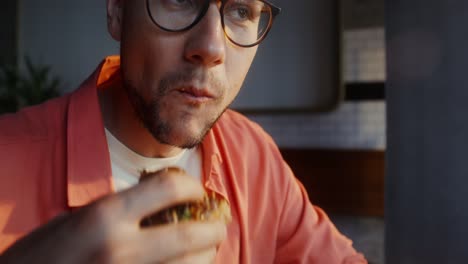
x=211, y=207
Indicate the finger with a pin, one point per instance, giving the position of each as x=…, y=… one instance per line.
x=203, y=257
x=159, y=191
x=184, y=239
x=34, y=242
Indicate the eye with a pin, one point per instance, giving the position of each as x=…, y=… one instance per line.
x=178, y=4
x=181, y=2
x=239, y=12
x=242, y=12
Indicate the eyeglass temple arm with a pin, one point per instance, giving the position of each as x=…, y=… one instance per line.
x=274, y=9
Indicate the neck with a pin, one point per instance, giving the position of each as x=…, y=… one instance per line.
x=121, y=120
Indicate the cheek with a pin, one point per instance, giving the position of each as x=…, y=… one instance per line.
x=146, y=59
x=238, y=63
x=147, y=52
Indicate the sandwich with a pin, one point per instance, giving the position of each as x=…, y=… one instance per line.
x=211, y=207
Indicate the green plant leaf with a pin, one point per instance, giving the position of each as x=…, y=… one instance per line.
x=35, y=86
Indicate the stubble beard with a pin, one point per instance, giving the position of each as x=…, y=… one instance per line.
x=149, y=113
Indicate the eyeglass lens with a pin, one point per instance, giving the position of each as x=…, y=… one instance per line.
x=245, y=21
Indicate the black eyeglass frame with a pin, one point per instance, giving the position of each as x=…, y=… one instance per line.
x=274, y=12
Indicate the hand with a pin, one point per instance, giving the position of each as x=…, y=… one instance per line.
x=108, y=230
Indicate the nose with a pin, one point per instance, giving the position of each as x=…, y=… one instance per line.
x=206, y=42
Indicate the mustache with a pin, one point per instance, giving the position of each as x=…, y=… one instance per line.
x=198, y=77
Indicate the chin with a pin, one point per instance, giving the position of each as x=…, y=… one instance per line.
x=190, y=132
x=186, y=142
x=182, y=137
x=183, y=130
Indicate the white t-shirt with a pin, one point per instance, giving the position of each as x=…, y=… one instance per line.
x=127, y=165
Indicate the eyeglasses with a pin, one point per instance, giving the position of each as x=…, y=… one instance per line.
x=245, y=22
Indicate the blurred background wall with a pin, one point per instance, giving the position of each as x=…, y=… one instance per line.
x=8, y=31
x=70, y=36
x=427, y=173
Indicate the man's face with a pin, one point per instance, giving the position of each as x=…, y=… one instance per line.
x=178, y=83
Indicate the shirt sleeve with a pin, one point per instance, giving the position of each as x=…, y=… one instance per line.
x=306, y=234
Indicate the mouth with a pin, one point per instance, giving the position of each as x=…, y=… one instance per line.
x=194, y=95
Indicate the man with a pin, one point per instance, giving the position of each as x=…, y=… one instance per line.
x=69, y=168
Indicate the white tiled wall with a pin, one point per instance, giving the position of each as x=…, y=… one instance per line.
x=364, y=55
x=354, y=125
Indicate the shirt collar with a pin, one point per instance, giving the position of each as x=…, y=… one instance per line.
x=89, y=169
x=212, y=165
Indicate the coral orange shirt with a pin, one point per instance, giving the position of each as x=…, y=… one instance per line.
x=54, y=157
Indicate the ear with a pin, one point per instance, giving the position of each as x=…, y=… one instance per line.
x=114, y=18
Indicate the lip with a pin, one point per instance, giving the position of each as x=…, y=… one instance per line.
x=195, y=95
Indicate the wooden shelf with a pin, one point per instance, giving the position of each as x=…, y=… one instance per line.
x=347, y=182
